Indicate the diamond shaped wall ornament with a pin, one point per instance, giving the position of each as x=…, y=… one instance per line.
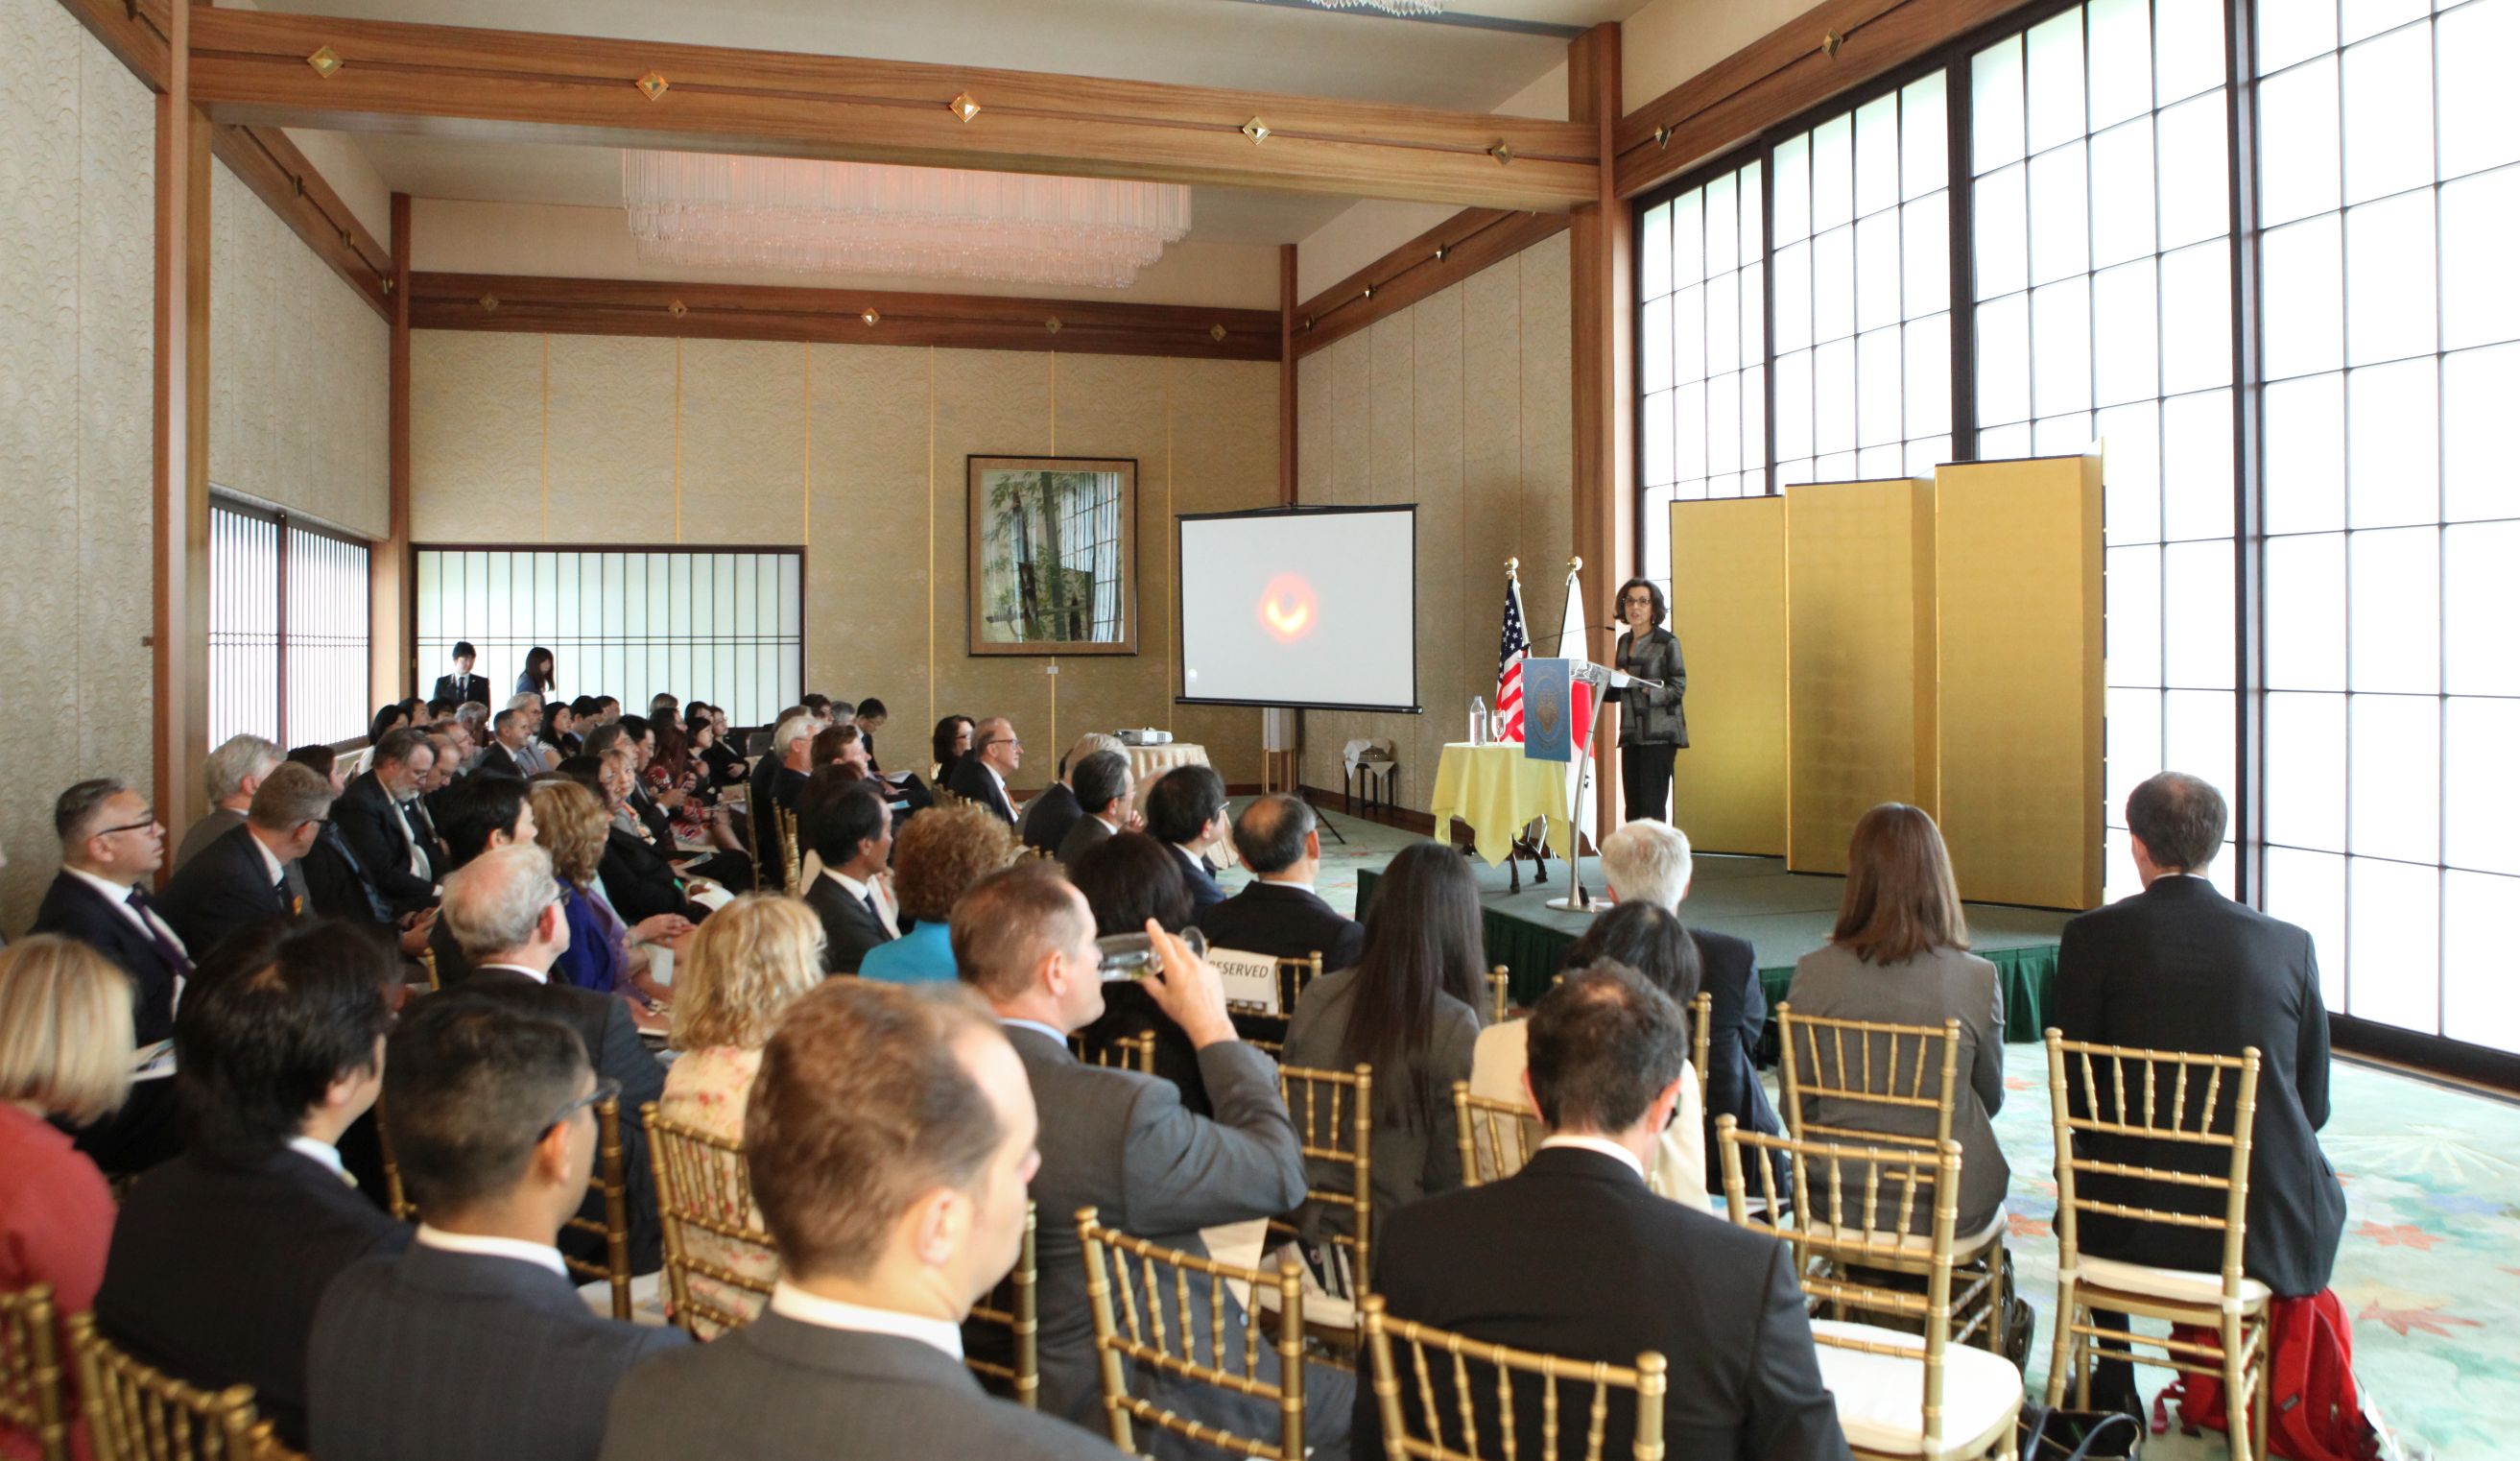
x=964, y=107
x=1830, y=43
x=490, y=304
x=653, y=86
x=1440, y=251
x=869, y=316
x=326, y=62
x=1368, y=291
x=1256, y=130
x=1051, y=324
x=678, y=309
x=1662, y=137
x=1503, y=153
x=1216, y=333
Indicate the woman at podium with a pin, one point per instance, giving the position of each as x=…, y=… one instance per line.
x=1653, y=729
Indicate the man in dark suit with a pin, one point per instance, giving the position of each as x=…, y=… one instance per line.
x=510, y=729
x=1277, y=913
x=997, y=753
x=482, y=812
x=889, y=1136
x=462, y=685
x=779, y=781
x=2180, y=966
x=1573, y=1256
x=1048, y=818
x=220, y=1255
x=243, y=878
x=376, y=825
x=1120, y=1142
x=846, y=822
x=1186, y=812
x=474, y=1341
x=1099, y=785
x=504, y=910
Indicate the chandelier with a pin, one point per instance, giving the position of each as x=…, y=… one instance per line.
x=1387, y=7
x=863, y=217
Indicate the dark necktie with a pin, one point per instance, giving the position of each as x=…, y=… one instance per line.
x=871, y=911
x=167, y=948
x=340, y=845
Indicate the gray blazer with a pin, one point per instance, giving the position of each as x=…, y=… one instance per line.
x=782, y=1389
x=1936, y=985
x=534, y=1369
x=1120, y=1142
x=1654, y=716
x=1417, y=1146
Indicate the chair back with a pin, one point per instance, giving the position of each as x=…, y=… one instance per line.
x=1014, y=1306
x=704, y=1192
x=1145, y=1300
x=1702, y=1039
x=135, y=1413
x=1294, y=977
x=607, y=1181
x=1250, y=1020
x=1499, y=993
x=1867, y=1062
x=1333, y=1115
x=2108, y=1096
x=1135, y=1052
x=1496, y=1137
x=1845, y=1239
x=429, y=966
x=31, y=1371
x=1512, y=1388
x=792, y=850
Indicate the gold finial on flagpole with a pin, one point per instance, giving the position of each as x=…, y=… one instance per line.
x=1513, y=568
x=1574, y=565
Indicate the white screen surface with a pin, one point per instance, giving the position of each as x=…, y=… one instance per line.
x=1301, y=609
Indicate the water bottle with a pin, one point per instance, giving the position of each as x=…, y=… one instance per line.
x=1478, y=720
x=1129, y=956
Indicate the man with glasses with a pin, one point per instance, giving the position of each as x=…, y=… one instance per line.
x=503, y=910
x=250, y=875
x=474, y=1341
x=981, y=776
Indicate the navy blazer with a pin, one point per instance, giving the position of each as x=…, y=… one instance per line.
x=458, y=689
x=1728, y=970
x=534, y=1369
x=374, y=827
x=226, y=887
x=498, y=760
x=74, y=910
x=1047, y=822
x=973, y=781
x=850, y=928
x=1204, y=891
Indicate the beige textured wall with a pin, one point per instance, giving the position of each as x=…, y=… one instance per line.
x=1462, y=405
x=856, y=452
x=76, y=278
x=1669, y=41
x=298, y=390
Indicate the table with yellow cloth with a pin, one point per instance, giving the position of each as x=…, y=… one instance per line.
x=1149, y=762
x=1499, y=790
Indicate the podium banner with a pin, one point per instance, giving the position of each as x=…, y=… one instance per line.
x=1548, y=729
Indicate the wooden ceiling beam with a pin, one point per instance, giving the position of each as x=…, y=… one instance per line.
x=1446, y=254
x=279, y=174
x=134, y=31
x=253, y=67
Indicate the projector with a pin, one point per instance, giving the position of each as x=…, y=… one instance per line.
x=1146, y=737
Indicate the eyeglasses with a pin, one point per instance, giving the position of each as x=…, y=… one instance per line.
x=147, y=819
x=1644, y=599
x=605, y=1089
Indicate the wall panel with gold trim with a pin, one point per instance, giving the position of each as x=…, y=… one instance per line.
x=1727, y=573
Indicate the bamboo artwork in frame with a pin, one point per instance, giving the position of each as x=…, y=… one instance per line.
x=1054, y=546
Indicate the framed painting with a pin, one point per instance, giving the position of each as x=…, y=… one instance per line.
x=1054, y=555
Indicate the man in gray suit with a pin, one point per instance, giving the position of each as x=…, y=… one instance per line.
x=474, y=1341
x=889, y=1135
x=1120, y=1142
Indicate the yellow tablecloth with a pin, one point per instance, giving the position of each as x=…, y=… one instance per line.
x=1147, y=762
x=1496, y=790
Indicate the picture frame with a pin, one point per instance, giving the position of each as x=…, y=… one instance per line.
x=1052, y=554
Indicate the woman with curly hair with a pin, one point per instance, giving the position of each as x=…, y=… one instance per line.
x=940, y=853
x=605, y=953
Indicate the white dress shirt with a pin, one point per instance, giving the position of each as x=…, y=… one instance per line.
x=323, y=1154
x=941, y=1334
x=538, y=975
x=1600, y=1146
x=542, y=1253
x=860, y=892
x=119, y=897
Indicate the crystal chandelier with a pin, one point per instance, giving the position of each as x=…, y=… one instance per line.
x=1387, y=7
x=863, y=217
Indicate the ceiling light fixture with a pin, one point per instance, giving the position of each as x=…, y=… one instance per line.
x=1387, y=7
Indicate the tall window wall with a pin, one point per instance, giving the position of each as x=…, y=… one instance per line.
x=288, y=628
x=1702, y=358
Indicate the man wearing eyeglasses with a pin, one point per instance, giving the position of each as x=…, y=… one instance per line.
x=981, y=777
x=247, y=875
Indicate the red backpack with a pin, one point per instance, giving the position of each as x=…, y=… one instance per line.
x=2314, y=1409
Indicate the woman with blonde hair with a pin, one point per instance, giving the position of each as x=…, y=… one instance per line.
x=605, y=953
x=1898, y=955
x=741, y=970
x=940, y=852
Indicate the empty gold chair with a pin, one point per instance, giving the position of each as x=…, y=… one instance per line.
x=30, y=1371
x=2199, y=1102
x=1448, y=1425
x=607, y=1181
x=1135, y=1052
x=1162, y=1312
x=1014, y=1305
x=1496, y=1137
x=135, y=1413
x=1899, y=1395
x=720, y=1264
x=1333, y=1115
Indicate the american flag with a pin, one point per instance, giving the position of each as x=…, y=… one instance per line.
x=1512, y=643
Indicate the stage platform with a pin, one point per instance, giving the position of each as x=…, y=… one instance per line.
x=1783, y=915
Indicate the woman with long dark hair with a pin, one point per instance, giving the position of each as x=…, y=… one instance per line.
x=1409, y=1010
x=537, y=677
x=1652, y=732
x=950, y=742
x=560, y=729
x=1128, y=878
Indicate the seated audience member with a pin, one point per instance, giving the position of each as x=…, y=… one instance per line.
x=1120, y=1142
x=743, y=969
x=889, y=1138
x=509, y=748
x=461, y=684
x=608, y=709
x=326, y=761
x=533, y=756
x=473, y=1341
x=677, y=779
x=559, y=733
x=1574, y=1257
x=2180, y=966
x=1898, y=955
x=779, y=781
x=1646, y=938
x=376, y=819
x=604, y=953
x=664, y=705
x=638, y=876
x=1099, y=787
x=447, y=767
x=1187, y=811
x=1649, y=861
x=243, y=877
x=848, y=826
x=949, y=743
x=1410, y=1008
x=220, y=1255
x=474, y=718
x=709, y=744
x=504, y=910
x=1127, y=880
x=837, y=744
x=229, y=776
x=1277, y=913
x=981, y=777
x=1045, y=822
x=387, y=719
x=765, y=760
x=872, y=715
x=940, y=853
x=484, y=812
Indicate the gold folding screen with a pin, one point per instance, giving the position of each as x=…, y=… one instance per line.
x=1727, y=605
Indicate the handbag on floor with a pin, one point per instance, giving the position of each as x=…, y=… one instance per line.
x=2061, y=1435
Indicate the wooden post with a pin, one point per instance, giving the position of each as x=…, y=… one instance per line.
x=389, y=604
x=179, y=625
x=1287, y=375
x=1603, y=309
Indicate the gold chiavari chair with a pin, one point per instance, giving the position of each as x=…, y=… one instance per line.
x=1333, y=1115
x=1014, y=1306
x=792, y=848
x=30, y=1371
x=429, y=966
x=1701, y=1026
x=1496, y=1137
x=1886, y=1071
x=608, y=1181
x=1135, y=1052
x=1458, y=1397
x=1261, y=1027
x=1899, y=1395
x=704, y=1209
x=135, y=1413
x=1143, y=1321
x=2105, y=1093
x=1499, y=993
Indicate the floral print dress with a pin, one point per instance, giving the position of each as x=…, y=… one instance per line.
x=706, y=1089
